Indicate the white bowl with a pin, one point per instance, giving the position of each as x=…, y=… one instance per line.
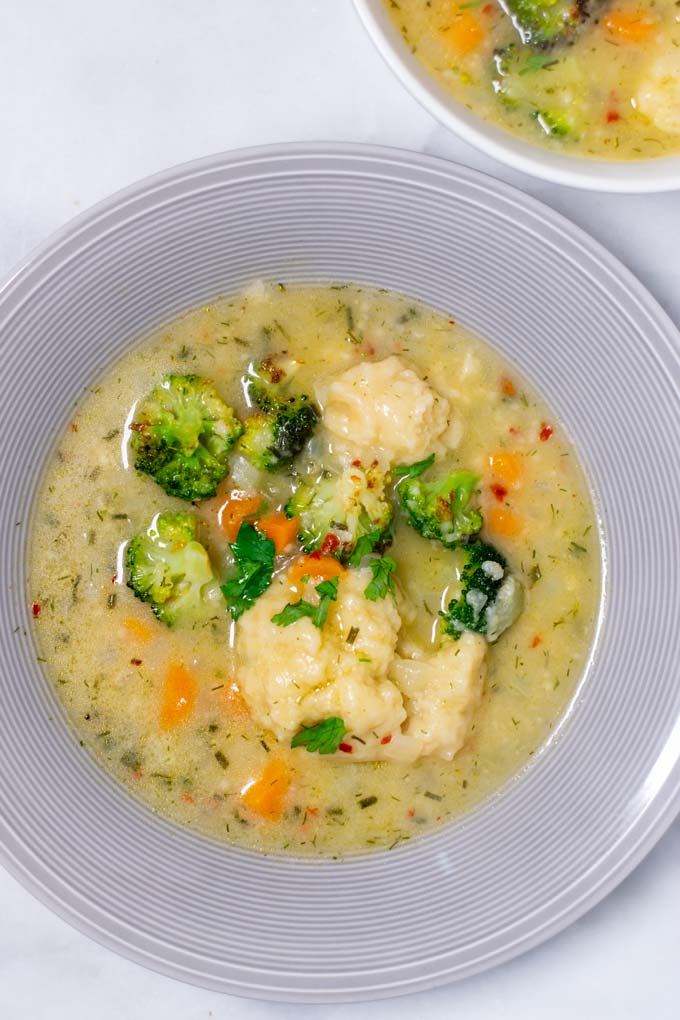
x=594, y=798
x=599, y=175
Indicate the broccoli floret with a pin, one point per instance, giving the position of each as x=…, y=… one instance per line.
x=337, y=511
x=168, y=568
x=283, y=423
x=182, y=434
x=440, y=509
x=543, y=23
x=543, y=87
x=491, y=598
x=558, y=123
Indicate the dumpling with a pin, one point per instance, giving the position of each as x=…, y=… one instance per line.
x=442, y=691
x=659, y=94
x=297, y=675
x=382, y=410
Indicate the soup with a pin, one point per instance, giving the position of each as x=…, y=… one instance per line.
x=314, y=570
x=599, y=80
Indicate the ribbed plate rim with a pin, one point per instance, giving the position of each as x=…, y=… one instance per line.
x=660, y=812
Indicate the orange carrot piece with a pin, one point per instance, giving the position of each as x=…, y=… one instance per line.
x=629, y=26
x=280, y=529
x=507, y=387
x=266, y=795
x=179, y=696
x=507, y=467
x=464, y=33
x=137, y=629
x=233, y=702
x=317, y=568
x=239, y=506
x=504, y=522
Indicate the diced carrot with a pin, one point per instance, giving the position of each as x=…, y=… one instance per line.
x=507, y=467
x=317, y=568
x=629, y=26
x=463, y=33
x=507, y=387
x=233, y=702
x=280, y=529
x=179, y=696
x=266, y=795
x=137, y=629
x=504, y=522
x=240, y=506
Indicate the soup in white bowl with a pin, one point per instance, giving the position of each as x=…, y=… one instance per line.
x=314, y=570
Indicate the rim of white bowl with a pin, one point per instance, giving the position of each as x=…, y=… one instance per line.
x=124, y=913
x=616, y=176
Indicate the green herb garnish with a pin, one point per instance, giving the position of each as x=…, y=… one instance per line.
x=294, y=611
x=324, y=737
x=414, y=470
x=538, y=62
x=254, y=555
x=365, y=546
x=383, y=582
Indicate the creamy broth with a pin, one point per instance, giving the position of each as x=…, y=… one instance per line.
x=610, y=89
x=107, y=655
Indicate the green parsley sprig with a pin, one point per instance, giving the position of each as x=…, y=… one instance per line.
x=254, y=555
x=294, y=611
x=325, y=737
x=382, y=583
x=414, y=470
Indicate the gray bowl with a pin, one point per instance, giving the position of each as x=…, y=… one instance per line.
x=595, y=799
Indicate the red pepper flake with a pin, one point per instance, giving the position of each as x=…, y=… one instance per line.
x=74, y=426
x=368, y=350
x=356, y=463
x=452, y=322
x=137, y=774
x=537, y=641
x=312, y=811
x=499, y=491
x=114, y=578
x=488, y=9
x=411, y=813
x=187, y=798
x=35, y=609
x=546, y=432
x=330, y=543
x=347, y=748
x=387, y=739
x=316, y=555
x=513, y=431
x=507, y=387
x=613, y=116
x=135, y=662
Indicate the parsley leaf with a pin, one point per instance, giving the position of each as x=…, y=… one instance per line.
x=538, y=62
x=294, y=611
x=383, y=581
x=364, y=547
x=254, y=555
x=325, y=737
x=413, y=470
x=328, y=590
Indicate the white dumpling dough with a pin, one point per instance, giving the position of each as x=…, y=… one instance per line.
x=400, y=708
x=442, y=691
x=659, y=94
x=382, y=410
x=298, y=675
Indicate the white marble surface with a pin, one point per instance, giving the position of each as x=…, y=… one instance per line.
x=94, y=96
